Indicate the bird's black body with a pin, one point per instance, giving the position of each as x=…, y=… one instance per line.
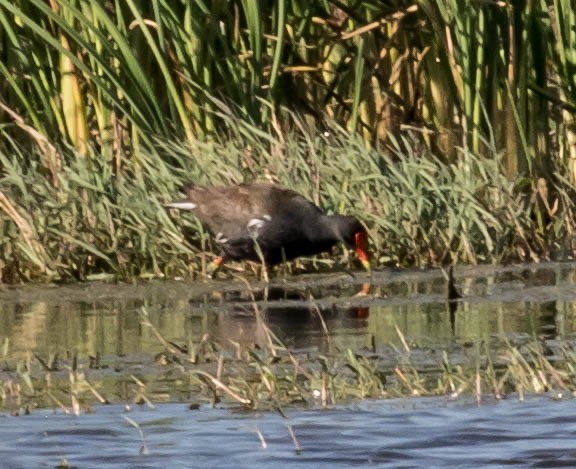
x=279, y=222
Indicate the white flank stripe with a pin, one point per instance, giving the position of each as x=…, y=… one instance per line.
x=255, y=223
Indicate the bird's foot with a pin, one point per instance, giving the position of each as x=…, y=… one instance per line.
x=214, y=267
x=364, y=291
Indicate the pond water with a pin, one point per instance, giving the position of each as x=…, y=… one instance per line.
x=424, y=432
x=99, y=323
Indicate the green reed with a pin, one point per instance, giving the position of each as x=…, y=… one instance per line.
x=419, y=210
x=106, y=109
x=111, y=76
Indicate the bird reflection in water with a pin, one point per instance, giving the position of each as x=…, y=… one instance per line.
x=290, y=314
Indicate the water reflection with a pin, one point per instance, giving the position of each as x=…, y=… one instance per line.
x=103, y=319
x=297, y=323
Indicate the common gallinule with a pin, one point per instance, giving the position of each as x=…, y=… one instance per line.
x=278, y=222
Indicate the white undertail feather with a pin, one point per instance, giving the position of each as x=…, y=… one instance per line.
x=182, y=205
x=220, y=238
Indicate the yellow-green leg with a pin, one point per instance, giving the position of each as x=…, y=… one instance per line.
x=214, y=266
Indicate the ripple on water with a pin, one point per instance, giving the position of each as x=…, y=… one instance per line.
x=538, y=432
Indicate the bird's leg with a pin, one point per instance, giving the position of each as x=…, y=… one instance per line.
x=214, y=266
x=361, y=245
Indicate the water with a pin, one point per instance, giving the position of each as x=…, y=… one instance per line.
x=537, y=432
x=103, y=319
x=98, y=328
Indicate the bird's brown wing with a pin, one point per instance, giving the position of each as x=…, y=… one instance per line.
x=229, y=210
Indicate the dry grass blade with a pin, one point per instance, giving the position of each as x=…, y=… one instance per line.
x=144, y=447
x=402, y=339
x=146, y=322
x=52, y=159
x=26, y=230
x=297, y=447
x=220, y=385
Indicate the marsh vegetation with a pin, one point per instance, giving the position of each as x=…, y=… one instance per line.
x=449, y=130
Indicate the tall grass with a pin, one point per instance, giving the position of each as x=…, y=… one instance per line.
x=418, y=209
x=109, y=75
x=107, y=108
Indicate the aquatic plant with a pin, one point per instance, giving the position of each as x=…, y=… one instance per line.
x=270, y=375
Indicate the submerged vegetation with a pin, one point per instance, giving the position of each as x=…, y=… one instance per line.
x=271, y=376
x=447, y=128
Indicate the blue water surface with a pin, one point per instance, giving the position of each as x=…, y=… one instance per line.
x=422, y=432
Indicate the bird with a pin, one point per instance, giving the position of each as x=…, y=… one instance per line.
x=266, y=222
